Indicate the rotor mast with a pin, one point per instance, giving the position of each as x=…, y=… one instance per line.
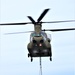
x=37, y=28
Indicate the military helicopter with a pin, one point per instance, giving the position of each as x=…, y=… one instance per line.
x=40, y=44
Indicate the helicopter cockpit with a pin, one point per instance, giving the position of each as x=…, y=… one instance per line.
x=34, y=34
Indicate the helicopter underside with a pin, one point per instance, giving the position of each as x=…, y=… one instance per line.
x=36, y=52
x=40, y=50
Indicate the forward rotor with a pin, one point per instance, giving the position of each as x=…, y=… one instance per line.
x=24, y=23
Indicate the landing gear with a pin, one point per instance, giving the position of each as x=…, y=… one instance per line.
x=31, y=59
x=28, y=55
x=50, y=54
x=50, y=59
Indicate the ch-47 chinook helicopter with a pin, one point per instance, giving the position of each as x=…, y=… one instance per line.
x=40, y=45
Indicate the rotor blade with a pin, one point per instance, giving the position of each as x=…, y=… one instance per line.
x=33, y=21
x=18, y=32
x=16, y=23
x=54, y=30
x=59, y=21
x=42, y=15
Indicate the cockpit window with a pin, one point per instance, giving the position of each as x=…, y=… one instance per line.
x=34, y=34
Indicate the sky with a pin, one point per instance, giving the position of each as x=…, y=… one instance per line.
x=13, y=48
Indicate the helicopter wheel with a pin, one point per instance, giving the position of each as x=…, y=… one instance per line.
x=31, y=59
x=28, y=55
x=50, y=59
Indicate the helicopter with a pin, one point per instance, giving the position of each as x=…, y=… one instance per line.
x=40, y=43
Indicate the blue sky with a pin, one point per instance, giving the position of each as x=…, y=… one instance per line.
x=13, y=48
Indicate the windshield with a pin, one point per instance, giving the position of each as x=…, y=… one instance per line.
x=34, y=34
